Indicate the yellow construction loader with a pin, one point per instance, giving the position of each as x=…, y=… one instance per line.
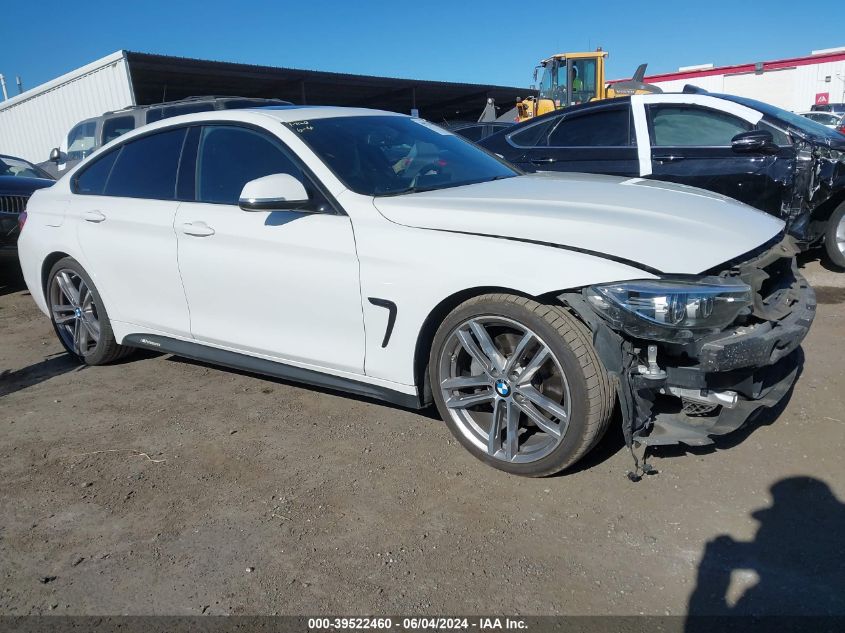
x=571, y=78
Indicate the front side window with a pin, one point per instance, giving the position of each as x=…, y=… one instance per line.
x=112, y=128
x=229, y=157
x=684, y=126
x=605, y=128
x=81, y=140
x=392, y=155
x=147, y=167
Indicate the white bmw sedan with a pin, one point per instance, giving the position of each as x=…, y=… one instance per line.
x=378, y=254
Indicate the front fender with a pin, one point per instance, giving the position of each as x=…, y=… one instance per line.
x=420, y=270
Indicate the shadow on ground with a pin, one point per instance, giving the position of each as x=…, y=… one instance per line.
x=794, y=566
x=12, y=381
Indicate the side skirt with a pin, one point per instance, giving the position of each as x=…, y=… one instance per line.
x=244, y=362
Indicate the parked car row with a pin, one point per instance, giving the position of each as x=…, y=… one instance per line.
x=779, y=162
x=381, y=255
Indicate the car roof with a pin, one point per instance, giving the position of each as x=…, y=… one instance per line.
x=283, y=114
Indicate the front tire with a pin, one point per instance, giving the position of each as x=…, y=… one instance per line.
x=79, y=316
x=834, y=239
x=519, y=384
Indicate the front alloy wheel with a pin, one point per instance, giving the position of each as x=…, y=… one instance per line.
x=519, y=384
x=504, y=388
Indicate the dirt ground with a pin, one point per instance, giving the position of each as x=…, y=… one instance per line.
x=165, y=486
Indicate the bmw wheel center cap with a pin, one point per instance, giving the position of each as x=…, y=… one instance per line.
x=503, y=388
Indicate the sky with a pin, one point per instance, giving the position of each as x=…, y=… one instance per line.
x=491, y=42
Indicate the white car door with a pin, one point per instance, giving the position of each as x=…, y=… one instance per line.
x=124, y=209
x=280, y=284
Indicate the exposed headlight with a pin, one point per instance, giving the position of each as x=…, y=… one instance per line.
x=670, y=310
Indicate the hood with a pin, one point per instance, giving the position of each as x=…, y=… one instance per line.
x=663, y=226
x=20, y=186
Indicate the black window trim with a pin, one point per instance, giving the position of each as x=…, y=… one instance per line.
x=318, y=185
x=689, y=106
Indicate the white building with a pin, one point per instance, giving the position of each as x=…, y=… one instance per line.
x=793, y=84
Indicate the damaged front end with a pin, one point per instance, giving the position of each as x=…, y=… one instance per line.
x=812, y=189
x=695, y=356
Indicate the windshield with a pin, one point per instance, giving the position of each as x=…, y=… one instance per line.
x=800, y=123
x=391, y=155
x=16, y=167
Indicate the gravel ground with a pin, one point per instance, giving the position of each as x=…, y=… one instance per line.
x=165, y=486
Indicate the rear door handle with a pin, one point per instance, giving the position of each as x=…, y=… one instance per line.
x=94, y=216
x=197, y=229
x=668, y=158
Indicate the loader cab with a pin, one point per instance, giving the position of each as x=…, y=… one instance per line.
x=569, y=79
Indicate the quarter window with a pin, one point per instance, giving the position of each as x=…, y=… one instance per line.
x=682, y=126
x=605, y=128
x=147, y=168
x=93, y=178
x=533, y=135
x=229, y=157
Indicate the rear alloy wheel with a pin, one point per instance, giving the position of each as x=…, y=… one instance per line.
x=519, y=384
x=78, y=315
x=835, y=237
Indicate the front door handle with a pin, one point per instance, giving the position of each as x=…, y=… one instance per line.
x=94, y=216
x=543, y=161
x=668, y=158
x=197, y=229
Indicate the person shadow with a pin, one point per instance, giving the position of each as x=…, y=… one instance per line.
x=792, y=574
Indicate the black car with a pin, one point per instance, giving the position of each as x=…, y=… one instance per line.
x=18, y=179
x=772, y=159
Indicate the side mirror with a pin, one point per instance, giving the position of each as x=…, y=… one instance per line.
x=754, y=141
x=276, y=192
x=56, y=155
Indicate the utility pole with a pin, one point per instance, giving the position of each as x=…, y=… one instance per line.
x=3, y=85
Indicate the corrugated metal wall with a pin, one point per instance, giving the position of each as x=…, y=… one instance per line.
x=793, y=89
x=33, y=123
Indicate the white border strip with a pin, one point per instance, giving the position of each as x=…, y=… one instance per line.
x=638, y=103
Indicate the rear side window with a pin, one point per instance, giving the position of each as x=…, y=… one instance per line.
x=605, y=128
x=112, y=128
x=147, y=168
x=679, y=126
x=229, y=157
x=93, y=178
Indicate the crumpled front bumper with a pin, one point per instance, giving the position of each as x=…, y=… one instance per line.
x=746, y=367
x=758, y=363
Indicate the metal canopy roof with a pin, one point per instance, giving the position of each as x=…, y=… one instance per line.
x=157, y=78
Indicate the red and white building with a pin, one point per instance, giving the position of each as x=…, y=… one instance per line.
x=793, y=84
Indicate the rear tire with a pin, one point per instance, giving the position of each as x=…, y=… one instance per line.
x=79, y=317
x=499, y=360
x=834, y=238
